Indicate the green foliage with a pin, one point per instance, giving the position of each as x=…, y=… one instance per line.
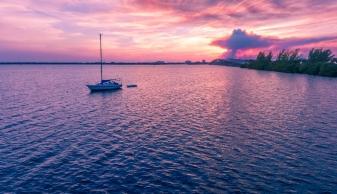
x=328, y=69
x=288, y=61
x=320, y=56
x=262, y=61
x=319, y=62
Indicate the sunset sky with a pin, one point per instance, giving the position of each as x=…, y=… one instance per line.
x=170, y=30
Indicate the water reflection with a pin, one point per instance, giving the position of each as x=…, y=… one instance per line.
x=186, y=129
x=104, y=93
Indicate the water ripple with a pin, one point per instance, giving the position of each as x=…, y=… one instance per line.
x=185, y=129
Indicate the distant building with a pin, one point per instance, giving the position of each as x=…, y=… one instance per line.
x=159, y=62
x=188, y=62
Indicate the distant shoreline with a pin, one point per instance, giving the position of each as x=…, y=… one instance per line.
x=97, y=63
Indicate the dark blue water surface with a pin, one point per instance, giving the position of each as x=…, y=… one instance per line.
x=204, y=129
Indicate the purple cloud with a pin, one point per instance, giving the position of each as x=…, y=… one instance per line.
x=294, y=42
x=240, y=40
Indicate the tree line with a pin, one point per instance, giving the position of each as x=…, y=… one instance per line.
x=318, y=62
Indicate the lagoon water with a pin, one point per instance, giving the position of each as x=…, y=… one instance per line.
x=204, y=129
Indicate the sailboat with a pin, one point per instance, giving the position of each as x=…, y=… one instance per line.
x=104, y=84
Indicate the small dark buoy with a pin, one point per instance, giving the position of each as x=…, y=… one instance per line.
x=131, y=85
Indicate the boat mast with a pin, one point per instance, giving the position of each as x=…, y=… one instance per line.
x=100, y=46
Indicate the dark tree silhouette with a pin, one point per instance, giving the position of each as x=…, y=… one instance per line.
x=319, y=62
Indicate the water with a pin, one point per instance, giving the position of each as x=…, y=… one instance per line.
x=204, y=129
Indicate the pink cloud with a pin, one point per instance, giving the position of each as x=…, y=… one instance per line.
x=153, y=29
